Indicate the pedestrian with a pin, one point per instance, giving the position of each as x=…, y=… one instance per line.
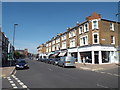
x=84, y=60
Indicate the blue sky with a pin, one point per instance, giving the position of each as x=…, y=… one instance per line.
x=40, y=21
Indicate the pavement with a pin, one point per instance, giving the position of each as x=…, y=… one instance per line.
x=96, y=67
x=7, y=71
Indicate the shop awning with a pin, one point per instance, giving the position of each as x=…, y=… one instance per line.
x=62, y=53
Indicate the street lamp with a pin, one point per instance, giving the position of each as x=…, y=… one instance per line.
x=13, y=41
x=117, y=28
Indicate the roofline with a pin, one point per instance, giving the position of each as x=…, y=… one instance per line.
x=111, y=21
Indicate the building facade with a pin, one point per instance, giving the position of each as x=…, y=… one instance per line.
x=95, y=40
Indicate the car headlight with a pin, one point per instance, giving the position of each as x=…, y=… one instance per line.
x=17, y=65
x=25, y=65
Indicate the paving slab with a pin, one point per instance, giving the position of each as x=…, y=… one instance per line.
x=96, y=66
x=6, y=71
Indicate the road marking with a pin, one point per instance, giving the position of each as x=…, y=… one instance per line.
x=16, y=78
x=11, y=81
x=101, y=86
x=20, y=83
x=8, y=77
x=15, y=87
x=24, y=86
x=110, y=73
x=102, y=72
x=13, y=84
x=50, y=69
x=116, y=75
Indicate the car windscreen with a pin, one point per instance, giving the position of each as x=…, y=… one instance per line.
x=21, y=62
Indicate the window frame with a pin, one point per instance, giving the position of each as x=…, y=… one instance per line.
x=94, y=38
x=97, y=27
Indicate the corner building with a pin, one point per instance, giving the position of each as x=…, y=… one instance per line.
x=95, y=40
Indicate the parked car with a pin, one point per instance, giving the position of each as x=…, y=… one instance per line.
x=21, y=64
x=55, y=61
x=66, y=61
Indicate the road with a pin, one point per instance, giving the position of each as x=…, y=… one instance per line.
x=42, y=75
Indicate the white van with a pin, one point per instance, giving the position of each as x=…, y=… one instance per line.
x=67, y=61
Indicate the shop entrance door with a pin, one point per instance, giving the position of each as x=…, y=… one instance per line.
x=96, y=57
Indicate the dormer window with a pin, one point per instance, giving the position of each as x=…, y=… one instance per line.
x=95, y=24
x=112, y=26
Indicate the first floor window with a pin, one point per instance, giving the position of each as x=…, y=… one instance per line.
x=112, y=40
x=95, y=38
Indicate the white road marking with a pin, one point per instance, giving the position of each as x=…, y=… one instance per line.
x=110, y=73
x=102, y=72
x=15, y=87
x=50, y=69
x=9, y=79
x=16, y=78
x=21, y=83
x=11, y=82
x=18, y=81
x=116, y=75
x=24, y=86
x=101, y=86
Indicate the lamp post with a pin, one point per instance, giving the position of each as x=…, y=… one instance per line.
x=13, y=41
x=117, y=28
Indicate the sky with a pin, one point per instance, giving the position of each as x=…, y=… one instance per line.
x=38, y=22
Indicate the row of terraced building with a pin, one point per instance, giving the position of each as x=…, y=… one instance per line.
x=95, y=39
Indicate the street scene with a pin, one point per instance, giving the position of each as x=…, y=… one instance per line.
x=60, y=45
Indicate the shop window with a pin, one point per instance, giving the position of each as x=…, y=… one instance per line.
x=105, y=56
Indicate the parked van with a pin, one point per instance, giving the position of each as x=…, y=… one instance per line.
x=67, y=61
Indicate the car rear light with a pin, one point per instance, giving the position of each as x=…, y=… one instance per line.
x=67, y=62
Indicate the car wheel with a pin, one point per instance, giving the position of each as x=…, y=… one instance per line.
x=63, y=66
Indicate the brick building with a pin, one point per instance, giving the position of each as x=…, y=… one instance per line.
x=95, y=39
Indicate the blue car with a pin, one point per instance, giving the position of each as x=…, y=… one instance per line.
x=21, y=64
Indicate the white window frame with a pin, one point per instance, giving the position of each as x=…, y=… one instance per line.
x=53, y=48
x=97, y=38
x=72, y=42
x=50, y=44
x=63, y=37
x=82, y=42
x=53, y=42
x=57, y=46
x=49, y=49
x=86, y=30
x=72, y=33
x=113, y=40
x=80, y=30
x=96, y=24
x=57, y=40
x=64, y=45
x=112, y=26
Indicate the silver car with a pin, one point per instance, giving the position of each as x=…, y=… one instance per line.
x=67, y=61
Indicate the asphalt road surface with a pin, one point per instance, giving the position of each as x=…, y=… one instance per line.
x=43, y=75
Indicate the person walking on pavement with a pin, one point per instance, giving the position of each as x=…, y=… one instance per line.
x=84, y=60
